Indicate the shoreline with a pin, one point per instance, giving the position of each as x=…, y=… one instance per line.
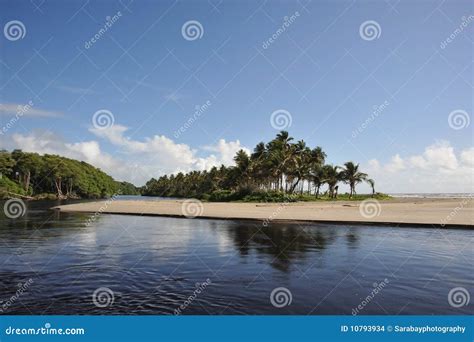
x=426, y=212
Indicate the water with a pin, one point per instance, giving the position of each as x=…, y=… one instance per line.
x=152, y=265
x=434, y=195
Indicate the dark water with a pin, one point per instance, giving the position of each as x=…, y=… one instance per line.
x=152, y=266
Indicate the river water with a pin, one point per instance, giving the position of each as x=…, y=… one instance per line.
x=53, y=263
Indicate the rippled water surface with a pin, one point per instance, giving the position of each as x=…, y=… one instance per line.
x=153, y=265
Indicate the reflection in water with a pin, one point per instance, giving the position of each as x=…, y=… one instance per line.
x=283, y=242
x=352, y=238
x=152, y=265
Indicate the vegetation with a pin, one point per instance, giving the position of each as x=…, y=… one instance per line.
x=30, y=174
x=280, y=170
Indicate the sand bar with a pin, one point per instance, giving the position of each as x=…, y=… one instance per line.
x=401, y=211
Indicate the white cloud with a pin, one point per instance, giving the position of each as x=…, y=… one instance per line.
x=438, y=169
x=134, y=161
x=76, y=90
x=374, y=165
x=467, y=157
x=27, y=110
x=439, y=155
x=396, y=164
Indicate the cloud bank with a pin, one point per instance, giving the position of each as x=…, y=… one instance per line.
x=134, y=161
x=437, y=169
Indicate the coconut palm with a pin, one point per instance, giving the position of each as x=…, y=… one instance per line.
x=371, y=182
x=352, y=176
x=280, y=164
x=317, y=176
x=332, y=176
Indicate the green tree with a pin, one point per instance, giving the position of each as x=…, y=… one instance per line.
x=352, y=176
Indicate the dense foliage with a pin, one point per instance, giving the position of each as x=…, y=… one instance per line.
x=31, y=174
x=276, y=171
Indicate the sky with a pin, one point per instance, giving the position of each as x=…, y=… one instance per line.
x=144, y=88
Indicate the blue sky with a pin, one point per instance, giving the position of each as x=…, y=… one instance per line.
x=319, y=69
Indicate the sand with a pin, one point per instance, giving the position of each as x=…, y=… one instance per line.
x=401, y=211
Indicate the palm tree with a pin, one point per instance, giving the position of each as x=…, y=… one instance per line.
x=242, y=162
x=318, y=177
x=352, y=176
x=280, y=152
x=332, y=176
x=298, y=169
x=371, y=182
x=280, y=164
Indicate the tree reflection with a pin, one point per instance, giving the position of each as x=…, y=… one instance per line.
x=284, y=242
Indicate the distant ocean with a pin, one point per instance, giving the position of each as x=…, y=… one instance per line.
x=434, y=195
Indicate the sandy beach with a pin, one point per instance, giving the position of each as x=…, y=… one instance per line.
x=399, y=211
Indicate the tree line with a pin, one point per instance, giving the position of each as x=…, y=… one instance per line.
x=31, y=174
x=280, y=167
